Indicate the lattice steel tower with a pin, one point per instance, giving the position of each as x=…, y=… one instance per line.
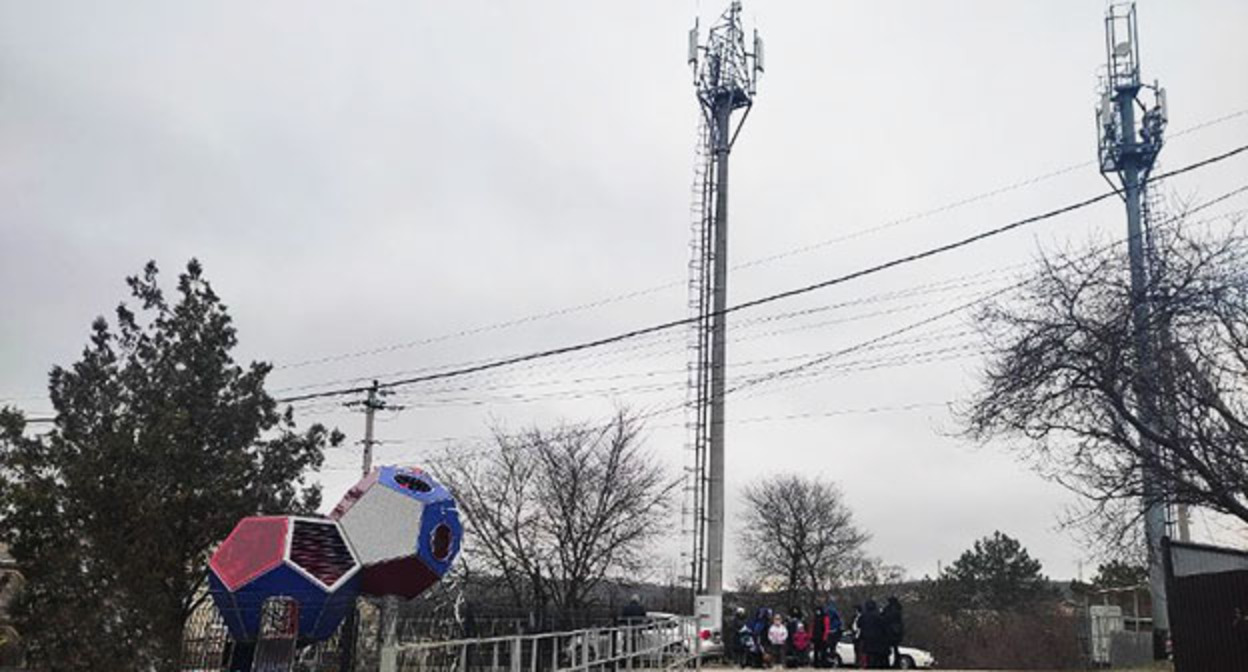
x=725, y=74
x=1129, y=151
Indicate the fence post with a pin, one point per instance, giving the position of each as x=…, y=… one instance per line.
x=517, y=654
x=389, y=635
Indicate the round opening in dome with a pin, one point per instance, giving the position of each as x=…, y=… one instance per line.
x=442, y=538
x=413, y=483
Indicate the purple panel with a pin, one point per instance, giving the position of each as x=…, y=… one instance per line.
x=405, y=577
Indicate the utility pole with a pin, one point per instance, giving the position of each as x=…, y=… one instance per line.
x=725, y=75
x=1130, y=153
x=373, y=403
x=389, y=608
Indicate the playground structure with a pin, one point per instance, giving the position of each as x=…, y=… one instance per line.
x=280, y=584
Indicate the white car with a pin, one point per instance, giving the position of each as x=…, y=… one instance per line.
x=908, y=656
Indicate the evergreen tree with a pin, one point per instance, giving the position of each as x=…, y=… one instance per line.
x=161, y=443
x=1119, y=574
x=996, y=574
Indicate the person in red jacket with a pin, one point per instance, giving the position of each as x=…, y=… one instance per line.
x=801, y=647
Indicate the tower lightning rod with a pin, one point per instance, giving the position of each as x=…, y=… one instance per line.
x=1129, y=151
x=725, y=74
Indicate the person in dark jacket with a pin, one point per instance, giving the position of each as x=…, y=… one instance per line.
x=633, y=613
x=819, y=636
x=791, y=623
x=732, y=646
x=894, y=627
x=874, y=638
x=836, y=627
x=758, y=627
x=751, y=650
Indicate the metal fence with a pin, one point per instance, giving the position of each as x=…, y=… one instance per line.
x=1207, y=588
x=374, y=639
x=661, y=643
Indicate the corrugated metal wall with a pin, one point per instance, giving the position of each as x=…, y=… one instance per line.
x=1208, y=595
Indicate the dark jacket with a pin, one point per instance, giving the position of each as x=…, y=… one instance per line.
x=795, y=617
x=894, y=627
x=871, y=631
x=819, y=627
x=762, y=621
x=633, y=612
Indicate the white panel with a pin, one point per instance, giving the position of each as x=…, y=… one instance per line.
x=382, y=525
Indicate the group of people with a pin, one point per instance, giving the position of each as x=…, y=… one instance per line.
x=772, y=638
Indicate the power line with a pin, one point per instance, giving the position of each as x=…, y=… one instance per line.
x=597, y=303
x=854, y=275
x=911, y=358
x=950, y=284
x=859, y=346
x=816, y=361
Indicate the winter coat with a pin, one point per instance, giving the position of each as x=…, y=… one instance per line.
x=894, y=627
x=801, y=640
x=871, y=632
x=746, y=641
x=777, y=634
x=835, y=625
x=762, y=621
x=819, y=626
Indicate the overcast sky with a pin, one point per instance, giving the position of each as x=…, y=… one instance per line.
x=362, y=178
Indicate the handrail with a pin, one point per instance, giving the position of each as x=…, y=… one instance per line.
x=665, y=643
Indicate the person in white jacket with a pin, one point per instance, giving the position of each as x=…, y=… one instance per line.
x=777, y=634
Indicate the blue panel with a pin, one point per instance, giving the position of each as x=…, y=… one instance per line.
x=319, y=612
x=437, y=491
x=439, y=513
x=323, y=623
x=227, y=607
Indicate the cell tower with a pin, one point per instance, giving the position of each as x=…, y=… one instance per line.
x=725, y=74
x=1129, y=151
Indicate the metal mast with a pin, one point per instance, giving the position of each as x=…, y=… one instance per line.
x=725, y=74
x=1129, y=151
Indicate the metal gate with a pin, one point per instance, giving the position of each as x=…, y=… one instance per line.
x=1207, y=588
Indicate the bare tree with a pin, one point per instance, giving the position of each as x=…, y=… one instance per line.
x=555, y=512
x=799, y=535
x=1062, y=376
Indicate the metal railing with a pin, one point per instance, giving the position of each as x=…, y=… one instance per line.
x=658, y=643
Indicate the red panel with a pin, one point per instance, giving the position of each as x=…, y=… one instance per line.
x=256, y=545
x=406, y=577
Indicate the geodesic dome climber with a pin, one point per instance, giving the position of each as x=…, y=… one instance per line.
x=307, y=560
x=405, y=528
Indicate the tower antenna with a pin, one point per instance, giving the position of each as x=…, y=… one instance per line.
x=1129, y=151
x=726, y=68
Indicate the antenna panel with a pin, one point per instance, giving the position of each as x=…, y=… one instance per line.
x=693, y=44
